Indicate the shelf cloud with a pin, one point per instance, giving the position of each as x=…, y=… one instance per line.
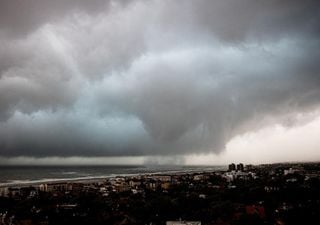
x=159, y=77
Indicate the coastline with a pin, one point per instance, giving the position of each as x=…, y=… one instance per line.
x=93, y=179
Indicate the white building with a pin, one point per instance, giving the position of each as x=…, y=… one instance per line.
x=4, y=191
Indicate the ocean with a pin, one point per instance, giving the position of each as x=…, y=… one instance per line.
x=17, y=175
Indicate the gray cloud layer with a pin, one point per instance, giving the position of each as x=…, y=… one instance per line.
x=151, y=77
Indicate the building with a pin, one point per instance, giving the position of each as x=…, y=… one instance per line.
x=240, y=167
x=199, y=177
x=134, y=183
x=51, y=187
x=165, y=185
x=232, y=167
x=151, y=185
x=162, y=178
x=121, y=187
x=43, y=187
x=14, y=191
x=249, y=167
x=4, y=191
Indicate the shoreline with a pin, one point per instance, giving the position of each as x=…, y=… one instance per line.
x=94, y=179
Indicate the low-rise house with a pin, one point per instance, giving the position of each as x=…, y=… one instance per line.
x=4, y=191
x=134, y=183
x=165, y=185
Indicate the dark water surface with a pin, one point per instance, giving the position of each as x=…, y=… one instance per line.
x=30, y=174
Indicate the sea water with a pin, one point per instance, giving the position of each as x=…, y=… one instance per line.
x=10, y=175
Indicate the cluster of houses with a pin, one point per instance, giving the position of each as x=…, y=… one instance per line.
x=139, y=183
x=273, y=180
x=135, y=184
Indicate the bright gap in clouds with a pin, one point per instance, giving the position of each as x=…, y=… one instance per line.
x=272, y=144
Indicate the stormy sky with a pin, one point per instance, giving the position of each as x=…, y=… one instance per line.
x=151, y=81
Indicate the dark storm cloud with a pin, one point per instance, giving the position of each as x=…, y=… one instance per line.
x=152, y=77
x=21, y=17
